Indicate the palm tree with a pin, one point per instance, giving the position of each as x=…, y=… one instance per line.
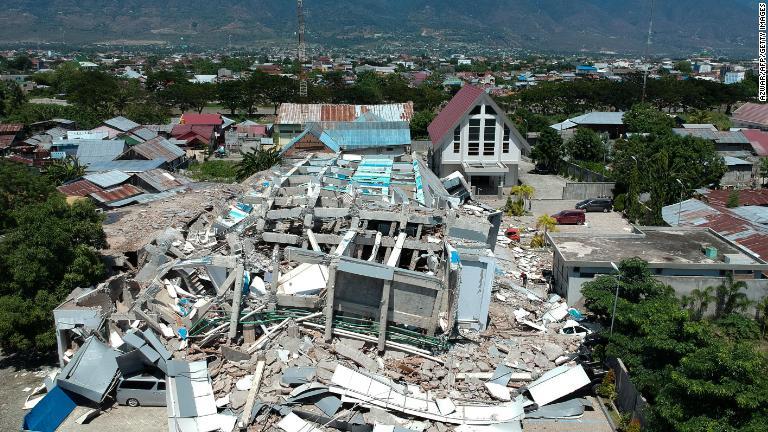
x=761, y=314
x=547, y=223
x=524, y=192
x=256, y=161
x=729, y=298
x=698, y=302
x=65, y=170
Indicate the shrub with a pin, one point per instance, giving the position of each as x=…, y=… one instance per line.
x=607, y=388
x=537, y=241
x=514, y=207
x=620, y=203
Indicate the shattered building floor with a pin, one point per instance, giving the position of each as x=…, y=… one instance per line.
x=327, y=294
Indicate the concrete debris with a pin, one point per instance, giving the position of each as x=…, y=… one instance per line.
x=312, y=297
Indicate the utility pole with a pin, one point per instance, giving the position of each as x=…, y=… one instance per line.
x=647, y=48
x=302, y=52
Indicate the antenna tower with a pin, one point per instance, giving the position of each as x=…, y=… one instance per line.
x=302, y=52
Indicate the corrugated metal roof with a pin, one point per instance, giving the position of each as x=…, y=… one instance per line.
x=194, y=119
x=747, y=197
x=290, y=113
x=732, y=161
x=107, y=179
x=144, y=133
x=600, y=118
x=89, y=151
x=358, y=135
x=127, y=166
x=161, y=180
x=446, y=120
x=720, y=137
x=79, y=188
x=709, y=126
x=116, y=194
x=758, y=139
x=10, y=128
x=756, y=114
x=317, y=131
x=121, y=123
x=722, y=220
x=158, y=148
x=754, y=214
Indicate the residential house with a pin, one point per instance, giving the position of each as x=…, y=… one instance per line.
x=292, y=119
x=473, y=135
x=313, y=140
x=116, y=126
x=195, y=138
x=608, y=122
x=724, y=141
x=157, y=148
x=751, y=115
x=759, y=141
x=10, y=134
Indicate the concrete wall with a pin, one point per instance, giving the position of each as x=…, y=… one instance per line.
x=628, y=399
x=757, y=289
x=476, y=281
x=584, y=190
x=583, y=174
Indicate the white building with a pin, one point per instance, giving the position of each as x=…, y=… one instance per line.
x=474, y=136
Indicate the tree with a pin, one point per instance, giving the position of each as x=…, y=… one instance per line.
x=644, y=118
x=729, y=297
x=524, y=193
x=698, y=302
x=20, y=187
x=230, y=95
x=546, y=223
x=548, y=151
x=684, y=66
x=257, y=161
x=586, y=145
x=733, y=199
x=65, y=170
x=187, y=96
x=420, y=122
x=93, y=90
x=49, y=251
x=11, y=97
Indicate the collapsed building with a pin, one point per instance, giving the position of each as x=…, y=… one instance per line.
x=349, y=251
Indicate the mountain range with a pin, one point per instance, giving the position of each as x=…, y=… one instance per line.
x=679, y=27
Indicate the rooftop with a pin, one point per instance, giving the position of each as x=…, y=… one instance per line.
x=600, y=118
x=752, y=113
x=290, y=113
x=652, y=244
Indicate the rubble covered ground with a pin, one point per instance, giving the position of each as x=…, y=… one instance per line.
x=326, y=294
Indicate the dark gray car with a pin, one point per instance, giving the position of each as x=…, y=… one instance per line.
x=595, y=204
x=144, y=389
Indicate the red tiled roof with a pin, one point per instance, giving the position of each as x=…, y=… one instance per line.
x=195, y=119
x=116, y=194
x=190, y=132
x=758, y=139
x=719, y=198
x=79, y=188
x=752, y=113
x=444, y=123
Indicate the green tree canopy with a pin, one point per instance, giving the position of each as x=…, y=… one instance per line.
x=549, y=150
x=644, y=118
x=586, y=145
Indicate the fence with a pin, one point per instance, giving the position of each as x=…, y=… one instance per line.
x=584, y=190
x=582, y=174
x=629, y=399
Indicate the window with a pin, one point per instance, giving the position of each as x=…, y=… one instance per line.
x=489, y=110
x=474, y=130
x=137, y=385
x=505, y=142
x=457, y=140
x=489, y=131
x=488, y=148
x=161, y=385
x=476, y=110
x=473, y=148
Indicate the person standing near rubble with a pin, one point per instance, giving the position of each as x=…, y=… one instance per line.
x=524, y=278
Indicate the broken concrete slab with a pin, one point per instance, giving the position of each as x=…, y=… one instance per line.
x=234, y=355
x=356, y=356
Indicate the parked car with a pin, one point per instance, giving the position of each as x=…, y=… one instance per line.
x=142, y=389
x=513, y=234
x=596, y=204
x=572, y=217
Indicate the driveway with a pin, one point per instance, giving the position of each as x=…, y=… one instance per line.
x=548, y=186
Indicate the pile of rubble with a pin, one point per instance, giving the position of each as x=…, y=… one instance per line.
x=312, y=301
